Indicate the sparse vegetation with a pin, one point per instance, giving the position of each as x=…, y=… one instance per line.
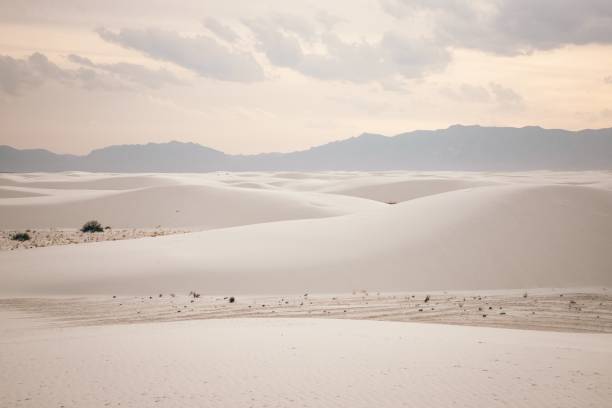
x=20, y=236
x=232, y=299
x=92, y=226
x=426, y=298
x=194, y=294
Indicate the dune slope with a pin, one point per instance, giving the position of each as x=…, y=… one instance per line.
x=399, y=191
x=485, y=238
x=198, y=206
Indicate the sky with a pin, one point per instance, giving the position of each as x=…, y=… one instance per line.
x=258, y=76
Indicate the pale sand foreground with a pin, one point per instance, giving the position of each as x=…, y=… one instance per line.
x=301, y=363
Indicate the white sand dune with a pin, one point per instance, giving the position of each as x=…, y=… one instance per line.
x=16, y=193
x=196, y=206
x=271, y=237
x=85, y=181
x=305, y=363
x=399, y=191
x=510, y=236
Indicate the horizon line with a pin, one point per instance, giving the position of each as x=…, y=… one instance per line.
x=304, y=149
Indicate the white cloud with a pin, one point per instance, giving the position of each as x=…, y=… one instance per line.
x=31, y=72
x=510, y=26
x=468, y=93
x=494, y=93
x=221, y=30
x=363, y=61
x=201, y=54
x=506, y=97
x=134, y=73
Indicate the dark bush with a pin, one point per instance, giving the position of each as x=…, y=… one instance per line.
x=92, y=226
x=231, y=299
x=20, y=236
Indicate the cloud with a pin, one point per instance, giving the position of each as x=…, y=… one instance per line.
x=220, y=30
x=281, y=48
x=468, y=93
x=495, y=93
x=33, y=71
x=18, y=75
x=131, y=72
x=506, y=97
x=510, y=26
x=327, y=19
x=200, y=54
x=359, y=62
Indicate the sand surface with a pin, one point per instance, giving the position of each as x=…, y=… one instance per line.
x=52, y=237
x=575, y=310
x=351, y=289
x=299, y=362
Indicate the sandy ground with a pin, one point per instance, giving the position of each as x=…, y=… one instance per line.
x=52, y=237
x=576, y=310
x=85, y=325
x=299, y=362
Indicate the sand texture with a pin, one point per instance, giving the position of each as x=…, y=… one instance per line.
x=349, y=289
x=302, y=363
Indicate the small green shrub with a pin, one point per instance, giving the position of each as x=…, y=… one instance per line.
x=20, y=236
x=92, y=226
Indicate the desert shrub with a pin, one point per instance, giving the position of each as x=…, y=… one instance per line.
x=194, y=294
x=92, y=226
x=20, y=236
x=232, y=299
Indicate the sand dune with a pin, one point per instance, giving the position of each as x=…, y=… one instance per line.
x=399, y=191
x=85, y=181
x=197, y=206
x=312, y=250
x=306, y=363
x=16, y=193
x=513, y=236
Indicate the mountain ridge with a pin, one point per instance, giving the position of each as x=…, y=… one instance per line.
x=458, y=147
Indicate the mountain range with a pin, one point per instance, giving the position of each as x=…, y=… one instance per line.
x=455, y=148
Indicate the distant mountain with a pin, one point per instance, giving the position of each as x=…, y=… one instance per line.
x=455, y=148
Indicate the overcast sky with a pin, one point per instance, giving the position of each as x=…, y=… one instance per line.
x=267, y=75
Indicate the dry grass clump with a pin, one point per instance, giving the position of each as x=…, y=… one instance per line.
x=20, y=236
x=92, y=226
